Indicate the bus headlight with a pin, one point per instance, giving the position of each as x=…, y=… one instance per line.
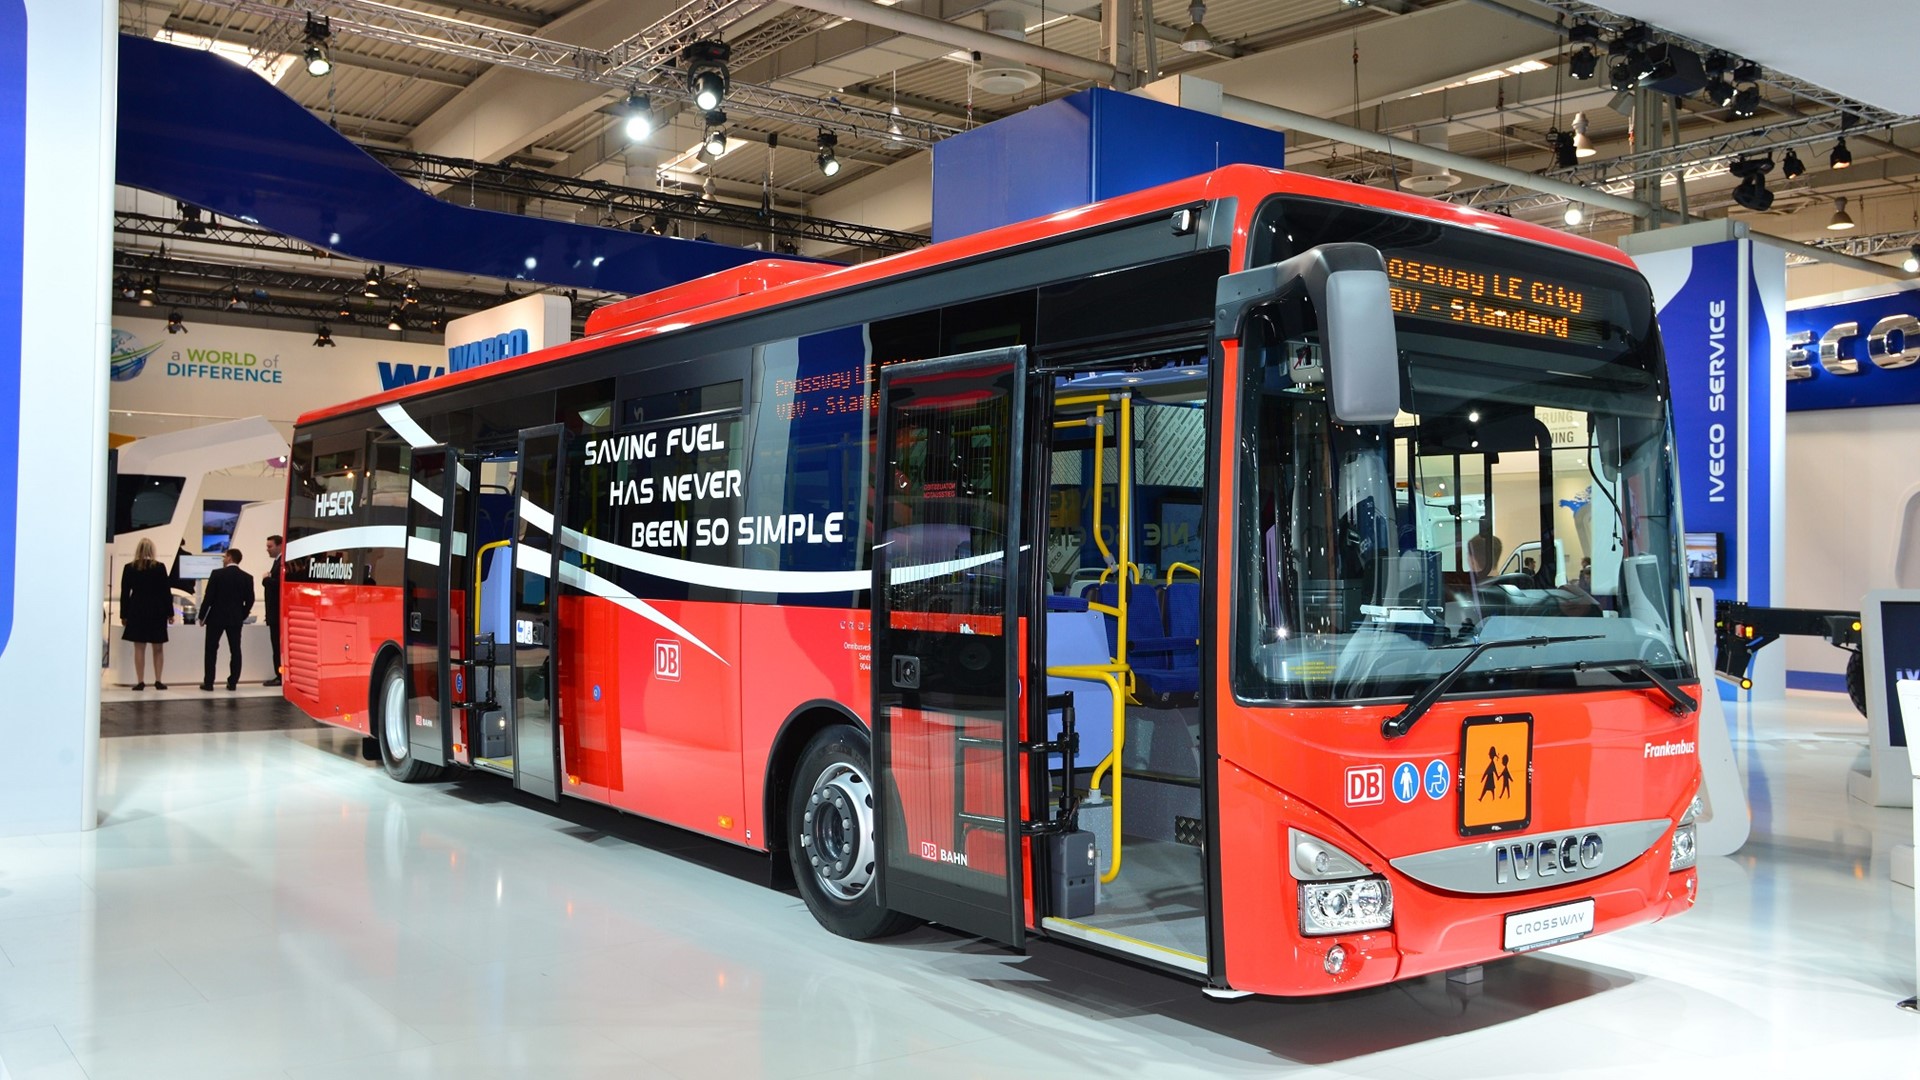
x=1338, y=907
x=1685, y=849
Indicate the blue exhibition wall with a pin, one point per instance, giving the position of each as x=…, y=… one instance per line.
x=13, y=140
x=198, y=128
x=1093, y=145
x=1887, y=375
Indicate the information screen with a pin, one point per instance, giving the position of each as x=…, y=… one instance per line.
x=1454, y=290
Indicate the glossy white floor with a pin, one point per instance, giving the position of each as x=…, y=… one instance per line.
x=263, y=904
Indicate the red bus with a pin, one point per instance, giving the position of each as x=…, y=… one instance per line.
x=1131, y=576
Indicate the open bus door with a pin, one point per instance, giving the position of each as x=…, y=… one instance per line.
x=947, y=640
x=435, y=613
x=539, y=497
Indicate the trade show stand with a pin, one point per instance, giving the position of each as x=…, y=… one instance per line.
x=186, y=656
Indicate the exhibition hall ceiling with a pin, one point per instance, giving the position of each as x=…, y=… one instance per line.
x=488, y=81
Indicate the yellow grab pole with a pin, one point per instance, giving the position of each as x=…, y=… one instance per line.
x=1109, y=674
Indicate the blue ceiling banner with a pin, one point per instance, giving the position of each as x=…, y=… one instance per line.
x=1851, y=352
x=13, y=166
x=201, y=129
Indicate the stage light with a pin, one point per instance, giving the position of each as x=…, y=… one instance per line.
x=375, y=281
x=1791, y=166
x=1564, y=154
x=1752, y=192
x=234, y=298
x=1912, y=263
x=147, y=287
x=316, y=56
x=1721, y=92
x=1746, y=101
x=1841, y=221
x=706, y=63
x=639, y=123
x=176, y=323
x=1197, y=38
x=1582, y=146
x=829, y=164
x=323, y=337
x=715, y=143
x=345, y=311
x=190, y=222
x=393, y=321
x=1583, y=64
x=1584, y=33
x=1574, y=214
x=1841, y=158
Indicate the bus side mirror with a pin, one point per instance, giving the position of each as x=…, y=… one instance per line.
x=1347, y=284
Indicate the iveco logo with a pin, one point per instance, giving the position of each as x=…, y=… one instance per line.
x=1562, y=855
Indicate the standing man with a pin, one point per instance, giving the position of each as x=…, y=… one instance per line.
x=271, y=582
x=228, y=601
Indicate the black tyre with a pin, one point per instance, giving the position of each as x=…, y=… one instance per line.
x=394, y=730
x=1857, y=681
x=830, y=836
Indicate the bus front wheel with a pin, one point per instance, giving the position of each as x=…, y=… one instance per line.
x=394, y=732
x=830, y=836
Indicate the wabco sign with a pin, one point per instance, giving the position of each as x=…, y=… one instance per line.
x=1853, y=352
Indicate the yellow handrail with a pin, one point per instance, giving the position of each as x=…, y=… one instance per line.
x=1179, y=566
x=479, y=562
x=1133, y=569
x=1106, y=673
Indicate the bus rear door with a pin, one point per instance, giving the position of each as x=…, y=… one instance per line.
x=948, y=563
x=533, y=707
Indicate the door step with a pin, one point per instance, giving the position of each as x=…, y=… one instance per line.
x=1145, y=950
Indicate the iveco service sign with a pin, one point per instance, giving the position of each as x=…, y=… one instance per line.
x=13, y=137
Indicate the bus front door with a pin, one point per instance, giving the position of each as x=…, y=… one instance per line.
x=948, y=566
x=533, y=706
x=434, y=612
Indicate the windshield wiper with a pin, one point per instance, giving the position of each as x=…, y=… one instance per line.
x=1402, y=722
x=1677, y=700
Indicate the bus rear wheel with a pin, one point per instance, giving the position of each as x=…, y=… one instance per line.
x=392, y=728
x=831, y=836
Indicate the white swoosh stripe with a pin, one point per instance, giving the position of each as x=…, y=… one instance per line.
x=601, y=587
x=420, y=549
x=737, y=578
x=533, y=561
x=906, y=575
x=425, y=497
x=536, y=517
x=404, y=425
x=358, y=536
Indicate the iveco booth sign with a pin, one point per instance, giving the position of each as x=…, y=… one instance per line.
x=1848, y=350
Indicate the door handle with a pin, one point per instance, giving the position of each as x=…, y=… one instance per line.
x=906, y=672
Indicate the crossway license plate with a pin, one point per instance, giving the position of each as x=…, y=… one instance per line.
x=1549, y=926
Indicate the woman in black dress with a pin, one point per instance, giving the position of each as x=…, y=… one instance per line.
x=146, y=607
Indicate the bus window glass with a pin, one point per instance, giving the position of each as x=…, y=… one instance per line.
x=387, y=487
x=327, y=494
x=1526, y=489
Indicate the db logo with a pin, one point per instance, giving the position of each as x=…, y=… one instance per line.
x=1366, y=784
x=930, y=851
x=666, y=660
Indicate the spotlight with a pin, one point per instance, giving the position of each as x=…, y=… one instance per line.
x=1574, y=214
x=125, y=287
x=1197, y=38
x=1841, y=158
x=393, y=321
x=639, y=123
x=829, y=164
x=176, y=323
x=716, y=141
x=1912, y=263
x=190, y=222
x=1746, y=101
x=323, y=337
x=1746, y=71
x=1582, y=146
x=1791, y=166
x=1841, y=221
x=706, y=63
x=1752, y=192
x=1584, y=33
x=1582, y=65
x=1721, y=92
x=375, y=279
x=707, y=189
x=411, y=295
x=147, y=286
x=345, y=311
x=319, y=31
x=1623, y=73
x=234, y=298
x=1564, y=154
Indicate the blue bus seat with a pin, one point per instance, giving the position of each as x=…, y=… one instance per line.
x=1075, y=638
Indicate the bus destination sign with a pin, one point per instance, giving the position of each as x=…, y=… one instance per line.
x=1429, y=288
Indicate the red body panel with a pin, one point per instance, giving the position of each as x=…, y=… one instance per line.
x=330, y=637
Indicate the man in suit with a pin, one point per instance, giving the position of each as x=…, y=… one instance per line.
x=228, y=601
x=270, y=581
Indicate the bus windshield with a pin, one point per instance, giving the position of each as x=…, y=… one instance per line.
x=1526, y=489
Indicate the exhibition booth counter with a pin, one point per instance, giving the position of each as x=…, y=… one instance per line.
x=186, y=655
